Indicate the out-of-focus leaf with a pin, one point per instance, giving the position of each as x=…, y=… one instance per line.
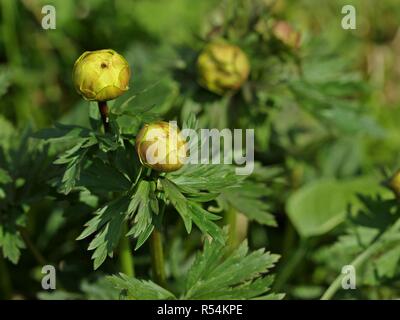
x=249, y=199
x=135, y=289
x=11, y=244
x=320, y=206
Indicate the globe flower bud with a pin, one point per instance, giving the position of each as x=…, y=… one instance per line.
x=284, y=32
x=161, y=146
x=394, y=183
x=101, y=75
x=222, y=67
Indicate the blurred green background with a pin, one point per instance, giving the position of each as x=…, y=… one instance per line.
x=36, y=64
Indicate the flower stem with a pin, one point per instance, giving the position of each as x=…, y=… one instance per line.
x=231, y=221
x=336, y=284
x=31, y=246
x=364, y=256
x=157, y=257
x=125, y=256
x=291, y=265
x=5, y=280
x=103, y=108
x=10, y=37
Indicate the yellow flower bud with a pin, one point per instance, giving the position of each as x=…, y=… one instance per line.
x=161, y=146
x=284, y=32
x=101, y=75
x=222, y=67
x=394, y=183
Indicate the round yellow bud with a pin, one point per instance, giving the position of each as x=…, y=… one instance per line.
x=161, y=146
x=101, y=75
x=222, y=67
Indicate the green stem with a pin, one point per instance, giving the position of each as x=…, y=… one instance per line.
x=103, y=109
x=289, y=238
x=40, y=259
x=125, y=257
x=10, y=33
x=32, y=247
x=291, y=265
x=231, y=221
x=361, y=258
x=157, y=257
x=335, y=285
x=5, y=280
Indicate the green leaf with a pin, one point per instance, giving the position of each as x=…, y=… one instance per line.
x=135, y=111
x=249, y=200
x=61, y=132
x=135, y=289
x=6, y=133
x=320, y=206
x=144, y=236
x=387, y=264
x=72, y=173
x=203, y=220
x=100, y=289
x=107, y=224
x=4, y=177
x=127, y=161
x=371, y=242
x=211, y=178
x=218, y=273
x=11, y=243
x=108, y=142
x=189, y=210
x=102, y=177
x=106, y=241
x=73, y=158
x=178, y=201
x=144, y=203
